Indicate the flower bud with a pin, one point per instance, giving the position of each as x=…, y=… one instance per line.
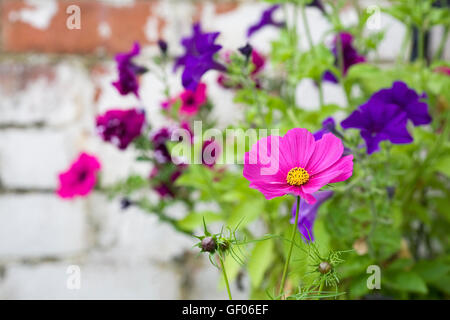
x=324, y=267
x=390, y=192
x=125, y=203
x=209, y=244
x=162, y=46
x=246, y=50
x=224, y=245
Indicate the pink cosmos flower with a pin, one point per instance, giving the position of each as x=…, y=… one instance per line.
x=80, y=178
x=296, y=164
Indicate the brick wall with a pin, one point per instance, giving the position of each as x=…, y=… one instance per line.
x=53, y=81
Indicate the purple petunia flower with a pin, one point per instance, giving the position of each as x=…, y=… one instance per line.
x=385, y=116
x=128, y=71
x=318, y=4
x=308, y=212
x=120, y=127
x=265, y=20
x=165, y=185
x=198, y=57
x=328, y=125
x=407, y=100
x=378, y=123
x=350, y=55
x=159, y=139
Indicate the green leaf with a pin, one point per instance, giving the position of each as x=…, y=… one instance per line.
x=245, y=212
x=358, y=287
x=443, y=165
x=405, y=281
x=195, y=219
x=260, y=259
x=432, y=271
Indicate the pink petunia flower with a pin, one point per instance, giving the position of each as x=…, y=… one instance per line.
x=80, y=178
x=443, y=70
x=191, y=101
x=211, y=151
x=296, y=164
x=258, y=62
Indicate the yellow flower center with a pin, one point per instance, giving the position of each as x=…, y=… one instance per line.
x=297, y=176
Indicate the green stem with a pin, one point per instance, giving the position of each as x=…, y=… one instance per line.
x=286, y=265
x=321, y=100
x=225, y=277
x=311, y=46
x=420, y=44
x=405, y=41
x=320, y=290
x=438, y=54
x=307, y=30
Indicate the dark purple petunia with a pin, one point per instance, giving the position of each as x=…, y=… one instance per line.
x=318, y=4
x=330, y=77
x=159, y=140
x=265, y=20
x=350, y=55
x=198, y=57
x=407, y=99
x=165, y=185
x=378, y=123
x=120, y=127
x=128, y=72
x=308, y=212
x=385, y=116
x=162, y=46
x=328, y=125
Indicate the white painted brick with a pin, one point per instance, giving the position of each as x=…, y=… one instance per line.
x=99, y=280
x=33, y=158
x=134, y=235
x=53, y=94
x=36, y=225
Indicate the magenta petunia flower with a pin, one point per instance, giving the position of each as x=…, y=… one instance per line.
x=165, y=180
x=191, y=101
x=128, y=72
x=80, y=178
x=210, y=153
x=258, y=62
x=296, y=164
x=350, y=55
x=159, y=140
x=442, y=69
x=120, y=127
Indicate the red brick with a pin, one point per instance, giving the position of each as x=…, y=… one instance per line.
x=225, y=7
x=126, y=23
